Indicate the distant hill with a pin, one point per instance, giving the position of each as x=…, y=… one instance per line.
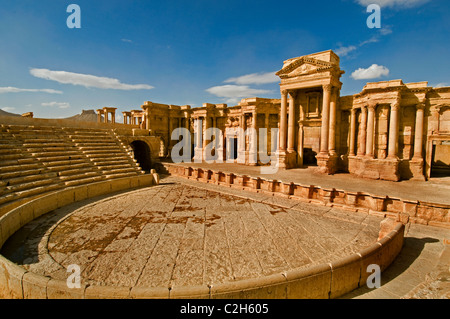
x=4, y=113
x=85, y=116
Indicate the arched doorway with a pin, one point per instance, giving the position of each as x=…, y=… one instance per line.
x=141, y=152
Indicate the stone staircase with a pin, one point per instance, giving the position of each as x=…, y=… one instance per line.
x=37, y=160
x=106, y=152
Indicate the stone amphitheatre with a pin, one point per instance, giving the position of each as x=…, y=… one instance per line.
x=363, y=180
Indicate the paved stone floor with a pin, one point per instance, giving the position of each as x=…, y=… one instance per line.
x=436, y=190
x=187, y=233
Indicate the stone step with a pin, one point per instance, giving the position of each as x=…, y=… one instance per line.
x=54, y=154
x=7, y=157
x=37, y=190
x=43, y=141
x=96, y=144
x=84, y=181
x=109, y=167
x=18, y=173
x=9, y=150
x=18, y=161
x=120, y=175
x=56, y=165
x=30, y=178
x=120, y=170
x=19, y=168
x=70, y=167
x=102, y=152
x=107, y=157
x=75, y=171
x=59, y=158
x=79, y=176
x=46, y=148
x=107, y=162
x=34, y=184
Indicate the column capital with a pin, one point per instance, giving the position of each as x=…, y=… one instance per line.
x=395, y=106
x=372, y=106
x=327, y=88
x=353, y=111
x=284, y=92
x=293, y=94
x=420, y=106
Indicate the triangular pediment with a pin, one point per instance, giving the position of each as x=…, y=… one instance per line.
x=303, y=66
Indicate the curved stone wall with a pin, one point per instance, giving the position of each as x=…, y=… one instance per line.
x=328, y=280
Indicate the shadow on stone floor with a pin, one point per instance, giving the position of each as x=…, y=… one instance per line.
x=34, y=232
x=412, y=249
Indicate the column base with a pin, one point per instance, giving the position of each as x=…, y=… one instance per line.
x=281, y=159
x=416, y=166
x=328, y=164
x=291, y=159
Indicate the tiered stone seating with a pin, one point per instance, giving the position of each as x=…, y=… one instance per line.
x=56, y=152
x=37, y=160
x=21, y=175
x=105, y=151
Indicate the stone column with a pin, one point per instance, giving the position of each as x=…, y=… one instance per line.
x=352, y=132
x=282, y=142
x=332, y=133
x=291, y=127
x=253, y=145
x=393, y=131
x=418, y=134
x=324, y=131
x=363, y=132
x=113, y=117
x=105, y=116
x=99, y=116
x=370, y=129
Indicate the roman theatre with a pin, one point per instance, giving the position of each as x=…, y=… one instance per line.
x=92, y=208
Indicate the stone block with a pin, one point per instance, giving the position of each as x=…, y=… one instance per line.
x=58, y=289
x=10, y=279
x=26, y=214
x=34, y=286
x=311, y=283
x=149, y=293
x=66, y=197
x=80, y=193
x=197, y=292
x=107, y=292
x=10, y=223
x=120, y=184
x=45, y=204
x=98, y=189
x=345, y=275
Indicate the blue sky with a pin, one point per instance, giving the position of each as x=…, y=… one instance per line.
x=193, y=52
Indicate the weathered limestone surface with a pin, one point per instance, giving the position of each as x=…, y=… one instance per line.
x=177, y=234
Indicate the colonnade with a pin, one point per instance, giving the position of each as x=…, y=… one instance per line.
x=365, y=145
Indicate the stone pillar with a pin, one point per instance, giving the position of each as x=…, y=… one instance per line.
x=332, y=133
x=417, y=162
x=253, y=145
x=113, y=117
x=291, y=126
x=352, y=132
x=418, y=134
x=362, y=133
x=105, y=116
x=370, y=130
x=99, y=116
x=324, y=131
x=393, y=131
x=282, y=142
x=241, y=140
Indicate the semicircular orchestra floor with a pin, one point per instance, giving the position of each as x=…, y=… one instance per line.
x=185, y=233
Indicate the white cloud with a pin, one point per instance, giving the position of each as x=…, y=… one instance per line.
x=372, y=72
x=61, y=105
x=126, y=40
x=393, y=3
x=10, y=89
x=86, y=80
x=343, y=51
x=254, y=78
x=234, y=92
x=442, y=85
x=8, y=108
